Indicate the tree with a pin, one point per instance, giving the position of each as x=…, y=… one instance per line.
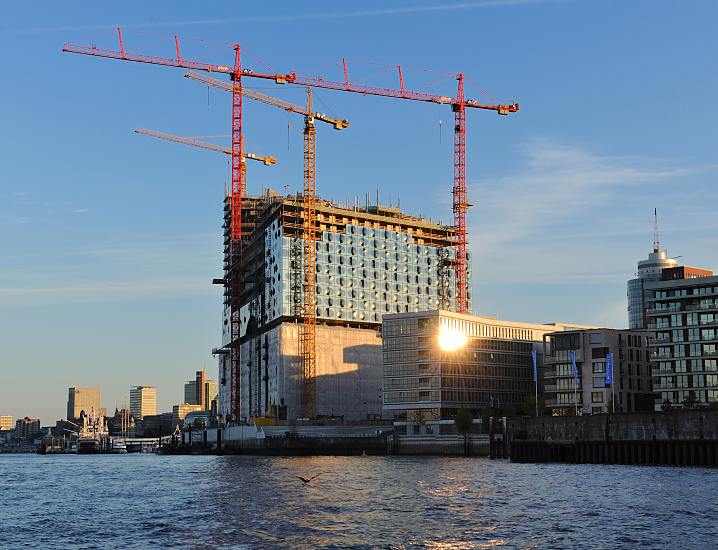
x=690, y=401
x=667, y=405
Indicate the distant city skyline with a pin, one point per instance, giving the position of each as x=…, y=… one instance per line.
x=111, y=241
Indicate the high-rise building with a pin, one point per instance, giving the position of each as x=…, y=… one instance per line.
x=370, y=260
x=6, y=423
x=682, y=309
x=437, y=362
x=629, y=387
x=199, y=379
x=210, y=393
x=190, y=392
x=143, y=401
x=83, y=399
x=648, y=270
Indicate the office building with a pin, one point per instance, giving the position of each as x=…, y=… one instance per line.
x=6, y=423
x=199, y=388
x=83, y=399
x=211, y=390
x=631, y=387
x=436, y=362
x=143, y=401
x=371, y=260
x=190, y=392
x=26, y=429
x=682, y=309
x=208, y=392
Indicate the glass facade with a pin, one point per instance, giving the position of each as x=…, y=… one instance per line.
x=684, y=349
x=362, y=274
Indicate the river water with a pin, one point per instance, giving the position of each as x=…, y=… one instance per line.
x=140, y=501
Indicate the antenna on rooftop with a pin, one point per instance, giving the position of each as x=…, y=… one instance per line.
x=656, y=242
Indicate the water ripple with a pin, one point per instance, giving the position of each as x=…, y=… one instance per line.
x=136, y=501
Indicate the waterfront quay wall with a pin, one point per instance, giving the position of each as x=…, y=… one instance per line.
x=679, y=438
x=439, y=445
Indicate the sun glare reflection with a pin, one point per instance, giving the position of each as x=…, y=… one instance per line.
x=451, y=339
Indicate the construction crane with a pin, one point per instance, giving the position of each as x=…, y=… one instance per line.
x=459, y=104
x=264, y=98
x=237, y=166
x=268, y=161
x=308, y=329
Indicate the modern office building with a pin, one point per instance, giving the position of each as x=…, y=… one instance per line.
x=436, y=362
x=190, y=392
x=630, y=389
x=208, y=392
x=371, y=260
x=199, y=393
x=83, y=399
x=6, y=423
x=682, y=309
x=26, y=429
x=143, y=401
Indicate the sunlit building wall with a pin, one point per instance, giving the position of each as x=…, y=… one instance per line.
x=436, y=362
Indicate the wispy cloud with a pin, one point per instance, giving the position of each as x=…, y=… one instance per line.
x=11, y=297
x=567, y=216
x=80, y=210
x=557, y=183
x=379, y=12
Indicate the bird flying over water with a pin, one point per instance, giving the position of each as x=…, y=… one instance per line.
x=306, y=481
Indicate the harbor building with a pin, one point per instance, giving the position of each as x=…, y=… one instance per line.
x=372, y=260
x=83, y=399
x=6, y=423
x=629, y=387
x=682, y=309
x=436, y=362
x=143, y=401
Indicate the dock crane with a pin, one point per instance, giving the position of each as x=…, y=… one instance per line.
x=308, y=329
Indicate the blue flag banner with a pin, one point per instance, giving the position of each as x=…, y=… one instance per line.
x=533, y=359
x=609, y=369
x=573, y=365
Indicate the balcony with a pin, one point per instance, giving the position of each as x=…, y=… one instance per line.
x=662, y=372
x=554, y=388
x=670, y=309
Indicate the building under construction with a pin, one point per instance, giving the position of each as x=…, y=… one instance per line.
x=371, y=259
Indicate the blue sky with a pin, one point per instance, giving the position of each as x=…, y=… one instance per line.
x=108, y=240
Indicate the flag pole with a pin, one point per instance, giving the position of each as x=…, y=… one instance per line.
x=533, y=359
x=575, y=380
